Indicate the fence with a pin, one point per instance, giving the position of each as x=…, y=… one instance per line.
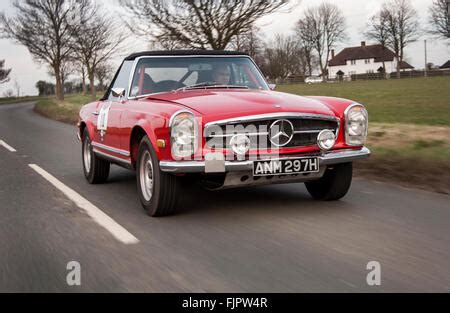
x=368, y=76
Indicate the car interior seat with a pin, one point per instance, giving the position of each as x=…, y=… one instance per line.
x=204, y=77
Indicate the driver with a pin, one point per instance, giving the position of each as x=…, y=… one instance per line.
x=221, y=74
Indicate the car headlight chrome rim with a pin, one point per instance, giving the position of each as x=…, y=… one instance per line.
x=356, y=125
x=183, y=134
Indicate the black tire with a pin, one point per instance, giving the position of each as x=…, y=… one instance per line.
x=95, y=169
x=334, y=185
x=165, y=190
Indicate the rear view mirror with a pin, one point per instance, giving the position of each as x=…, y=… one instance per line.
x=272, y=86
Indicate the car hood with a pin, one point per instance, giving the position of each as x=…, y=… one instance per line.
x=218, y=104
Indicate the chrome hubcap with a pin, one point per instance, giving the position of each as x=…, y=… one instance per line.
x=87, y=156
x=146, y=176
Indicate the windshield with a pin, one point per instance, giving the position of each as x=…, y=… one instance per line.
x=155, y=75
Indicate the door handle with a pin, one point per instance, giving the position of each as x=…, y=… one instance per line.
x=95, y=113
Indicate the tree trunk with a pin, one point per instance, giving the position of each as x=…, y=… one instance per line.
x=83, y=77
x=92, y=83
x=59, y=84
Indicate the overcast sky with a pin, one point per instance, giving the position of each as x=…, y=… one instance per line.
x=357, y=12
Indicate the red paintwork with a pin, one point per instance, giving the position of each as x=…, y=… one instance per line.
x=153, y=114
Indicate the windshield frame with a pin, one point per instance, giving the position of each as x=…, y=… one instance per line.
x=136, y=61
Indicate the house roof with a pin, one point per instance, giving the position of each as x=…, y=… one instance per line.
x=405, y=65
x=446, y=65
x=377, y=52
x=183, y=53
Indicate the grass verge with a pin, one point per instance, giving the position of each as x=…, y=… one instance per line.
x=13, y=100
x=413, y=156
x=66, y=111
x=422, y=101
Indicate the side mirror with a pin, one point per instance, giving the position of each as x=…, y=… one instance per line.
x=118, y=92
x=272, y=86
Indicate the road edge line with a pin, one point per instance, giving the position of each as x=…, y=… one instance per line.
x=102, y=219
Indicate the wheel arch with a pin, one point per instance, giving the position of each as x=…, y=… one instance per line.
x=86, y=125
x=139, y=131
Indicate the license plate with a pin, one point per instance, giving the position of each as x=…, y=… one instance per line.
x=286, y=167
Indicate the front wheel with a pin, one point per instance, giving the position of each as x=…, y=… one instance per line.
x=334, y=185
x=159, y=192
x=95, y=170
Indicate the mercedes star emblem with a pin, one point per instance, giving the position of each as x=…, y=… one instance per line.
x=281, y=133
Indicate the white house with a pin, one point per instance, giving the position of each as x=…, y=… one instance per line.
x=364, y=59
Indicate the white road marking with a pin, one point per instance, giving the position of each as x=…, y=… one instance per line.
x=7, y=147
x=95, y=213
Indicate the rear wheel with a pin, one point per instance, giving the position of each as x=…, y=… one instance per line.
x=159, y=192
x=95, y=170
x=334, y=185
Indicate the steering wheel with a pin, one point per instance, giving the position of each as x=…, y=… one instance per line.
x=167, y=85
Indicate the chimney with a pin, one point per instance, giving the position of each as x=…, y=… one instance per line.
x=363, y=43
x=332, y=54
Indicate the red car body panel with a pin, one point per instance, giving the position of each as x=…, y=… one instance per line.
x=152, y=115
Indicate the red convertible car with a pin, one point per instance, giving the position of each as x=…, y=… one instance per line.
x=212, y=117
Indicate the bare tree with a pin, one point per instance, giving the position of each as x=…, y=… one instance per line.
x=4, y=73
x=306, y=45
x=82, y=72
x=402, y=26
x=200, y=24
x=378, y=31
x=96, y=40
x=166, y=44
x=440, y=18
x=104, y=73
x=282, y=57
x=322, y=27
x=249, y=42
x=43, y=26
x=308, y=60
x=67, y=69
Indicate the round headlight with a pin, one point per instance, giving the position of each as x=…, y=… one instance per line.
x=240, y=144
x=356, y=125
x=183, y=133
x=326, y=140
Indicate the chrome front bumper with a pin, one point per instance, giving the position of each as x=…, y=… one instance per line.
x=189, y=167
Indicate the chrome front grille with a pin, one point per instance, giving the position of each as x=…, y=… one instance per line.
x=306, y=128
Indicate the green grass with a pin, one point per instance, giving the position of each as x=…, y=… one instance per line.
x=13, y=100
x=423, y=101
x=66, y=111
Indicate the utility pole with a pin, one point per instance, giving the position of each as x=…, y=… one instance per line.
x=426, y=59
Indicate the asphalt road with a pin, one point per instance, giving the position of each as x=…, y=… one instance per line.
x=267, y=239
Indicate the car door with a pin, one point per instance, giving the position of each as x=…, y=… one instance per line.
x=110, y=112
x=108, y=124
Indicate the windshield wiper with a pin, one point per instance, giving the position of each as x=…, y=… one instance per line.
x=211, y=85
